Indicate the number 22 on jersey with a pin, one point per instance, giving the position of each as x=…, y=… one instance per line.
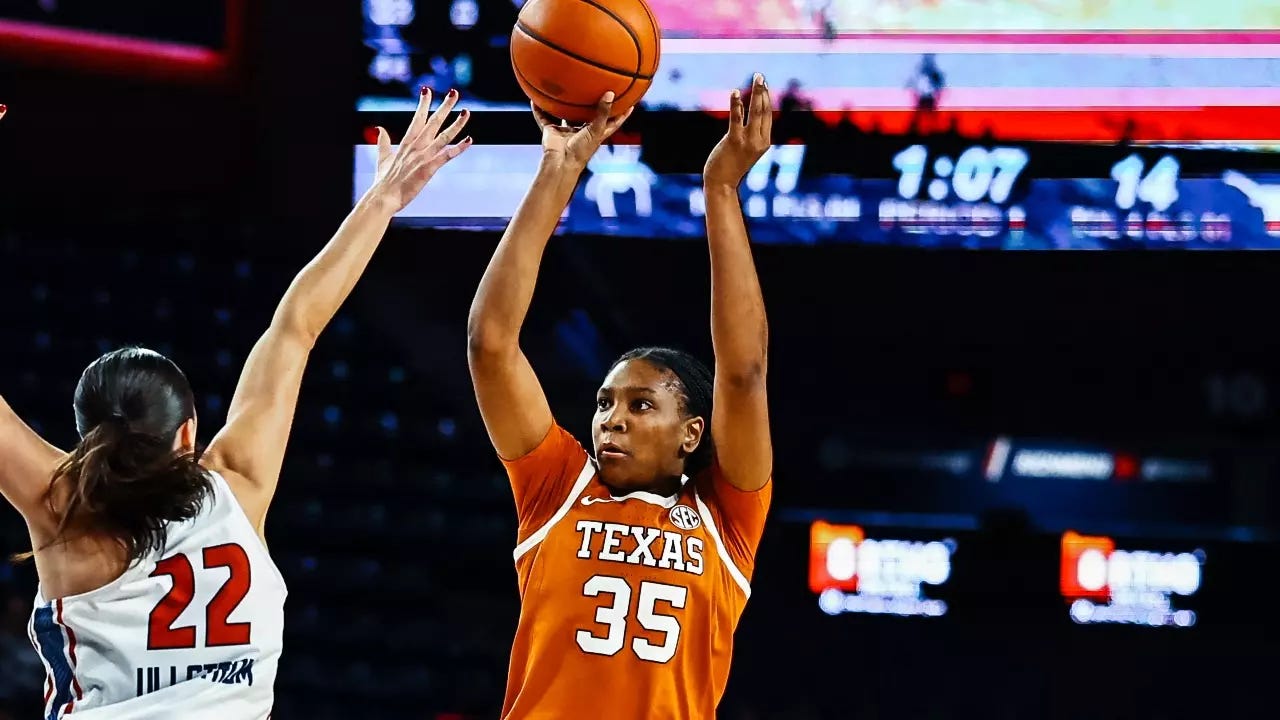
x=615, y=617
x=162, y=635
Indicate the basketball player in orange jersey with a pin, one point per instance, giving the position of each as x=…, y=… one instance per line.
x=157, y=597
x=634, y=560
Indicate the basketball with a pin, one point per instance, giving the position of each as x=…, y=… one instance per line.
x=567, y=53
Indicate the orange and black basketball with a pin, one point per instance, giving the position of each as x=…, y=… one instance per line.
x=567, y=53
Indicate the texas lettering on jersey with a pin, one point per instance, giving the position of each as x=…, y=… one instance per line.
x=634, y=545
x=629, y=602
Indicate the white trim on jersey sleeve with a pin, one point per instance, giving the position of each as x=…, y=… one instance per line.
x=723, y=552
x=584, y=477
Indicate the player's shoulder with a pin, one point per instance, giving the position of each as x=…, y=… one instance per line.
x=559, y=452
x=708, y=481
x=721, y=497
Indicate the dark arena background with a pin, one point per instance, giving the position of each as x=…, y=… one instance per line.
x=1028, y=484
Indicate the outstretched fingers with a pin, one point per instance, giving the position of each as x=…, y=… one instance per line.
x=613, y=124
x=542, y=117
x=600, y=123
x=420, y=115
x=436, y=120
x=761, y=122
x=445, y=137
x=446, y=154
x=384, y=146
x=737, y=113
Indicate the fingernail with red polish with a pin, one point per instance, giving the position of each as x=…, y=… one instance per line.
x=423, y=90
x=3, y=108
x=453, y=93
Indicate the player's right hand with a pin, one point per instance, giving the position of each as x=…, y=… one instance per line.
x=424, y=150
x=571, y=148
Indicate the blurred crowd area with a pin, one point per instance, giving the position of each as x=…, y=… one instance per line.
x=394, y=523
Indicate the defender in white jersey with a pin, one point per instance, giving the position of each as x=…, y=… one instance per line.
x=157, y=596
x=214, y=605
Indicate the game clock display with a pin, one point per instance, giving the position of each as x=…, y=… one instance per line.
x=891, y=192
x=982, y=195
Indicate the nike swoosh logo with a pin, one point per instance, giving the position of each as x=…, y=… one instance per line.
x=594, y=500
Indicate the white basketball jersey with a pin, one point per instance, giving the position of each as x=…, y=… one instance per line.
x=192, y=632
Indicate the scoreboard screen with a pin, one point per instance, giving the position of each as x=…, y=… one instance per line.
x=891, y=191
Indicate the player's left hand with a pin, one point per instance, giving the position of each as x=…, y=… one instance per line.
x=750, y=136
x=425, y=149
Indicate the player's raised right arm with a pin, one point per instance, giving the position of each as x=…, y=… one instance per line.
x=511, y=400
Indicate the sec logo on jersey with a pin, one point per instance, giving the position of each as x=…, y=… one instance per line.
x=683, y=517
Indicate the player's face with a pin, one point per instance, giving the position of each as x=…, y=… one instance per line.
x=640, y=435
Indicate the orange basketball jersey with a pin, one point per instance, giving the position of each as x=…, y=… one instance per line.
x=628, y=603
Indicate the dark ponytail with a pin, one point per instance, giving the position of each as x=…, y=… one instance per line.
x=124, y=479
x=697, y=384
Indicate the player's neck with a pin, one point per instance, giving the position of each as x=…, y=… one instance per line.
x=665, y=487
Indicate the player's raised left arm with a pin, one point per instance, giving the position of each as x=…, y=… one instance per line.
x=739, y=329
x=249, y=450
x=27, y=464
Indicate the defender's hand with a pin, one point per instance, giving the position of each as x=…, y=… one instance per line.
x=425, y=149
